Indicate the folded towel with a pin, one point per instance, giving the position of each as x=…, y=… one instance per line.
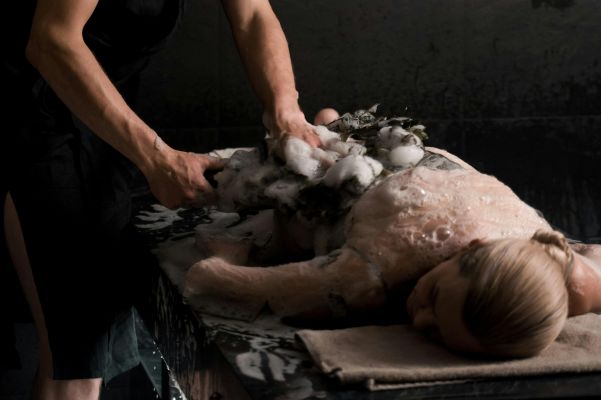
x=393, y=357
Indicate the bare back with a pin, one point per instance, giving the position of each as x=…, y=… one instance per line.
x=416, y=218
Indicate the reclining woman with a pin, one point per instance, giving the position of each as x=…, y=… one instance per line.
x=492, y=276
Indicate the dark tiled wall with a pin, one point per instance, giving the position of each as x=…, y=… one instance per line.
x=512, y=86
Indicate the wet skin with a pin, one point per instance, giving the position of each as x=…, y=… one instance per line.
x=584, y=286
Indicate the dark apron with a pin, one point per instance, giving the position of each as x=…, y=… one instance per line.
x=71, y=189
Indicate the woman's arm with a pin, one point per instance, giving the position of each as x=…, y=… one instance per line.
x=335, y=285
x=264, y=51
x=57, y=50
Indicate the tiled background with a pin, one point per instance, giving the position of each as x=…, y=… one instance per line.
x=513, y=86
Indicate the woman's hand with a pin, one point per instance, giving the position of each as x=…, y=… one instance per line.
x=177, y=178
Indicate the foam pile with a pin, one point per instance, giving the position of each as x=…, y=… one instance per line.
x=358, y=150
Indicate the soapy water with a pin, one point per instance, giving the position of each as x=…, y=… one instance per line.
x=431, y=214
x=271, y=355
x=160, y=218
x=266, y=359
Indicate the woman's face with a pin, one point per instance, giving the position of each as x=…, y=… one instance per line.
x=436, y=306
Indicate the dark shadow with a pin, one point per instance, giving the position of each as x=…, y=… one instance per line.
x=559, y=4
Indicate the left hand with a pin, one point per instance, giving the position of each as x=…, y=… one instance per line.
x=177, y=178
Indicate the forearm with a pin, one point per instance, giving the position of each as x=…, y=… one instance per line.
x=328, y=286
x=264, y=52
x=72, y=71
x=57, y=49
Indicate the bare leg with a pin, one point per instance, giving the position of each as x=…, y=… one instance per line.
x=44, y=388
x=335, y=285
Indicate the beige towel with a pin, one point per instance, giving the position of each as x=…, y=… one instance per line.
x=392, y=357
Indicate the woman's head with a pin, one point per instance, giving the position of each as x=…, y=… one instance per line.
x=504, y=297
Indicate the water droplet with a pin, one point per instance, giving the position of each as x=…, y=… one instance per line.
x=443, y=233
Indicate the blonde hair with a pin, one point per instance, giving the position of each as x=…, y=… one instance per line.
x=517, y=301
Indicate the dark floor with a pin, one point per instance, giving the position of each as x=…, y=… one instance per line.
x=16, y=384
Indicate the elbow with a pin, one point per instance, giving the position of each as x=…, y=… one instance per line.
x=32, y=51
x=39, y=46
x=46, y=44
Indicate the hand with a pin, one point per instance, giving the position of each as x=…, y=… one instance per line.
x=177, y=179
x=290, y=123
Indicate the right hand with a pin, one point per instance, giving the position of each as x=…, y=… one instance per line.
x=289, y=121
x=177, y=179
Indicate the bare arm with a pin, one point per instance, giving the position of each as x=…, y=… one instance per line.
x=335, y=285
x=57, y=50
x=264, y=51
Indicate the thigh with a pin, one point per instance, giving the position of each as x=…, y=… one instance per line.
x=9, y=296
x=12, y=304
